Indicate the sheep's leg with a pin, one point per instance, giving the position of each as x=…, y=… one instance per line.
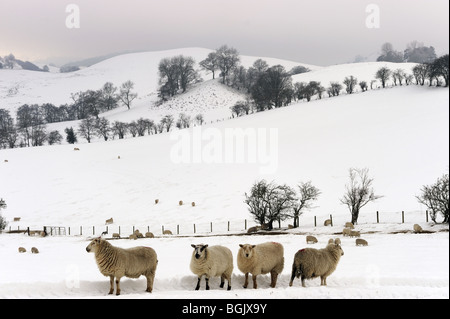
x=255, y=285
x=229, y=282
x=118, y=286
x=273, y=277
x=323, y=281
x=303, y=282
x=294, y=271
x=207, y=282
x=246, y=280
x=198, y=283
x=222, y=281
x=111, y=285
x=150, y=283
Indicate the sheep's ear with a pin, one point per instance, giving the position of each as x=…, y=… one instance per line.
x=240, y=245
x=204, y=246
x=193, y=246
x=253, y=246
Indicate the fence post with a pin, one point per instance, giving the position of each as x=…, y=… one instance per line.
x=162, y=229
x=194, y=228
x=245, y=224
x=69, y=230
x=403, y=216
x=119, y=230
x=228, y=225
x=378, y=218
x=178, y=229
x=211, y=227
x=331, y=218
x=81, y=230
x=426, y=213
x=315, y=221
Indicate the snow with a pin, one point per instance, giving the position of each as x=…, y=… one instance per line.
x=400, y=134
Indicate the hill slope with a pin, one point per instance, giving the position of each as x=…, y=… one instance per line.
x=400, y=134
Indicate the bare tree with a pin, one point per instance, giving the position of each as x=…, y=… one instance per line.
x=307, y=194
x=102, y=127
x=383, y=75
x=350, y=83
x=125, y=95
x=436, y=198
x=87, y=128
x=359, y=192
x=210, y=64
x=227, y=60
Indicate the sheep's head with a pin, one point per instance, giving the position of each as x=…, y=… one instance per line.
x=247, y=250
x=94, y=245
x=199, y=251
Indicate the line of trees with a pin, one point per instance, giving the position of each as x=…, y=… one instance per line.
x=269, y=202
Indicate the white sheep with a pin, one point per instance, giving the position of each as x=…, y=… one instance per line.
x=346, y=231
x=149, y=235
x=22, y=250
x=109, y=221
x=261, y=259
x=138, y=234
x=349, y=225
x=212, y=261
x=311, y=239
x=417, y=228
x=34, y=250
x=167, y=232
x=117, y=262
x=354, y=233
x=116, y=235
x=327, y=222
x=310, y=263
x=361, y=242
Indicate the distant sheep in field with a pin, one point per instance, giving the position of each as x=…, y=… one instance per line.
x=117, y=262
x=349, y=225
x=6, y=161
x=149, y=235
x=311, y=240
x=354, y=233
x=132, y=236
x=261, y=259
x=253, y=229
x=16, y=219
x=116, y=235
x=336, y=241
x=167, y=232
x=193, y=204
x=327, y=222
x=212, y=261
x=138, y=234
x=156, y=201
x=22, y=250
x=34, y=250
x=311, y=263
x=76, y=149
x=417, y=228
x=109, y=221
x=180, y=203
x=361, y=242
x=346, y=231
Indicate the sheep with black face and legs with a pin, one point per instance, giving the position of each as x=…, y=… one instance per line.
x=212, y=261
x=311, y=263
x=117, y=262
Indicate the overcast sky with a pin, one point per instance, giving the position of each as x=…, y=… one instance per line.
x=321, y=32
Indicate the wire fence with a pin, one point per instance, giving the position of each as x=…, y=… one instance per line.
x=222, y=227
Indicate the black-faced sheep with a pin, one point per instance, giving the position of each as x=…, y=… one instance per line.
x=259, y=260
x=212, y=261
x=311, y=239
x=310, y=263
x=117, y=262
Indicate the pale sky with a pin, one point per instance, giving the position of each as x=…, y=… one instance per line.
x=321, y=32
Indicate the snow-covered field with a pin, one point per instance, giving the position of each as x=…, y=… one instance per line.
x=400, y=134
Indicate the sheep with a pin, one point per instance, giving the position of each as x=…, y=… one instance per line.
x=156, y=201
x=109, y=221
x=6, y=161
x=16, y=219
x=310, y=263
x=180, y=203
x=361, y=242
x=261, y=259
x=167, y=232
x=76, y=149
x=193, y=204
x=327, y=222
x=212, y=261
x=133, y=236
x=117, y=262
x=253, y=229
x=346, y=231
x=149, y=235
x=349, y=225
x=116, y=235
x=138, y=234
x=311, y=240
x=22, y=250
x=337, y=241
x=417, y=228
x=354, y=233
x=34, y=250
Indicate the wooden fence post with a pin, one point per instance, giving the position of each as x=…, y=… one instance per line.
x=403, y=216
x=228, y=225
x=178, y=229
x=245, y=224
x=194, y=228
x=426, y=214
x=81, y=230
x=211, y=227
x=69, y=230
x=315, y=221
x=331, y=218
x=378, y=218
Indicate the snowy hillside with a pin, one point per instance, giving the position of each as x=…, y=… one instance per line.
x=400, y=134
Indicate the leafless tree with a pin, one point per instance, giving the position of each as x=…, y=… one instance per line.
x=383, y=75
x=359, y=192
x=306, y=195
x=436, y=198
x=125, y=95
